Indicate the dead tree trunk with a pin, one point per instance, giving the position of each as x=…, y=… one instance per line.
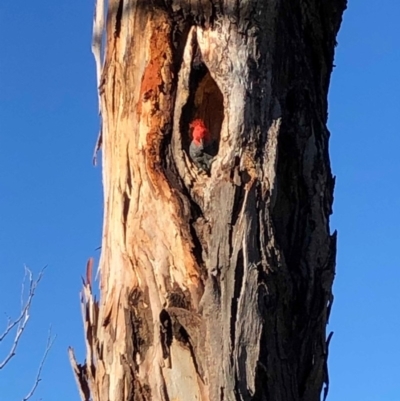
x=213, y=287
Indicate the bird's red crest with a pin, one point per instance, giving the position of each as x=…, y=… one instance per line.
x=200, y=131
x=197, y=123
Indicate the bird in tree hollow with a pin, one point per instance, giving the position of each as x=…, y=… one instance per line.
x=201, y=149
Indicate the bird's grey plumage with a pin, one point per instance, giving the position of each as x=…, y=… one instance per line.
x=201, y=155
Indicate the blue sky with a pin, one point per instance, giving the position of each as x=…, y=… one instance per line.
x=51, y=202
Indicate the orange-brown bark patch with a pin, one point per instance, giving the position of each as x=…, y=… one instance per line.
x=157, y=88
x=152, y=88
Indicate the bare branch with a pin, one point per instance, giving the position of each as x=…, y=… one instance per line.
x=49, y=344
x=21, y=321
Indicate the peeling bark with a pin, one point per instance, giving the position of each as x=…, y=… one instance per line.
x=213, y=287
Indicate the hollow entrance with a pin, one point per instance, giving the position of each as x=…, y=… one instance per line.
x=205, y=102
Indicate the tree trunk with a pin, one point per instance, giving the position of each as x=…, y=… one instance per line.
x=213, y=286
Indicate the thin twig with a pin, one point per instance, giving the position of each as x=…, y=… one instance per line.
x=49, y=344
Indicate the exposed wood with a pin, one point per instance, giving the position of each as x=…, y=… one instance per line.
x=97, y=50
x=214, y=287
x=97, y=39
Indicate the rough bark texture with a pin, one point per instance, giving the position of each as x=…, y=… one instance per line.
x=214, y=287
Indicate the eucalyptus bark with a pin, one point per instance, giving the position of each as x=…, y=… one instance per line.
x=213, y=287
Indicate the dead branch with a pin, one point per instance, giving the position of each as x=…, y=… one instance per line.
x=21, y=321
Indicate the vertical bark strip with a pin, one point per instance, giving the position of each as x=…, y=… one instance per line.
x=214, y=287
